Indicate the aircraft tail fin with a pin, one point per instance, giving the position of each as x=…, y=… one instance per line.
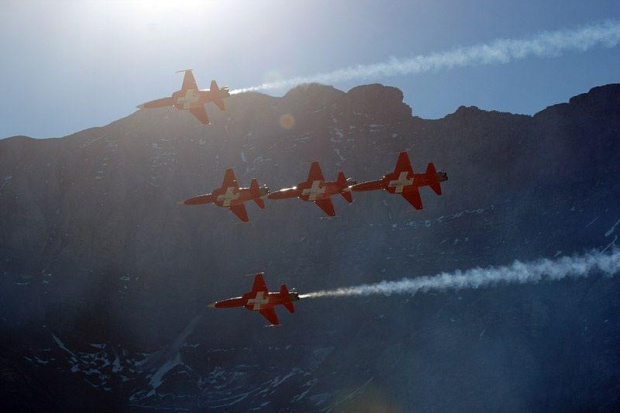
x=432, y=173
x=255, y=192
x=343, y=184
x=217, y=95
x=289, y=305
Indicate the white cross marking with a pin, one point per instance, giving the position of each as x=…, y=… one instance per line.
x=314, y=191
x=188, y=99
x=229, y=196
x=259, y=300
x=401, y=182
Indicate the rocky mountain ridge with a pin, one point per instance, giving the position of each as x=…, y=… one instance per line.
x=95, y=251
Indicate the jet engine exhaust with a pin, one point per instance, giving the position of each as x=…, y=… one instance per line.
x=576, y=266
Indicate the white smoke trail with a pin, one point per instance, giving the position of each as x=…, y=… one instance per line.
x=500, y=51
x=518, y=273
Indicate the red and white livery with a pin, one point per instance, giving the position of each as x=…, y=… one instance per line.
x=192, y=99
x=229, y=195
x=316, y=189
x=405, y=182
x=261, y=300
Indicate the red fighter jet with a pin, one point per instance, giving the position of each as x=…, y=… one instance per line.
x=406, y=183
x=316, y=189
x=261, y=300
x=231, y=196
x=192, y=99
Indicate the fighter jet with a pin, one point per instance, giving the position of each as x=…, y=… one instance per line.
x=231, y=196
x=261, y=300
x=317, y=190
x=192, y=99
x=406, y=183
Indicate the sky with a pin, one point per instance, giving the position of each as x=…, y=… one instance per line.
x=70, y=65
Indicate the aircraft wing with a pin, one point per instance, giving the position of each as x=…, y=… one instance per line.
x=157, y=103
x=259, y=284
x=315, y=173
x=403, y=164
x=240, y=211
x=270, y=314
x=414, y=198
x=198, y=200
x=201, y=114
x=188, y=80
x=327, y=206
x=230, y=179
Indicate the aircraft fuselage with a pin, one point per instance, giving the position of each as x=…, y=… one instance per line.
x=194, y=98
x=260, y=300
x=316, y=190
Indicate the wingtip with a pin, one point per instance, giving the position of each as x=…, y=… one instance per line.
x=180, y=202
x=140, y=106
x=212, y=305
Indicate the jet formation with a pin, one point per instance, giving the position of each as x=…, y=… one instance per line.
x=192, y=99
x=402, y=181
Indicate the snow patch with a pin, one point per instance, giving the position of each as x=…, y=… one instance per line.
x=608, y=233
x=62, y=345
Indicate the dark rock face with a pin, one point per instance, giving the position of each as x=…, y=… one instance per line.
x=104, y=278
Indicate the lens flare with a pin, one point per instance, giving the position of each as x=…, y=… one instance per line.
x=287, y=121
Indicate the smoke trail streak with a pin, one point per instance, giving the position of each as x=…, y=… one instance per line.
x=500, y=51
x=517, y=273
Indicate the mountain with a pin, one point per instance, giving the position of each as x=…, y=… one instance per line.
x=105, y=279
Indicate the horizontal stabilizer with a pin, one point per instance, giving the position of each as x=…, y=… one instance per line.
x=260, y=203
x=436, y=187
x=290, y=307
x=431, y=173
x=347, y=195
x=284, y=293
x=255, y=193
x=217, y=97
